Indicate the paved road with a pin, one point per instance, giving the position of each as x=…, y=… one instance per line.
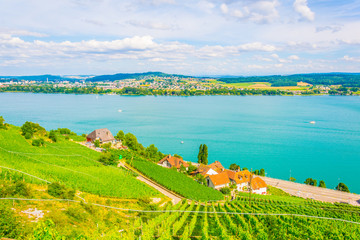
x=317, y=193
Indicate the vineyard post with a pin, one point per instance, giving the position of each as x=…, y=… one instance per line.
x=250, y=189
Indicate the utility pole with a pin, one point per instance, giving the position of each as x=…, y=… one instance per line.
x=250, y=188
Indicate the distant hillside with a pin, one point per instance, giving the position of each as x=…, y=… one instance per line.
x=122, y=76
x=40, y=78
x=345, y=79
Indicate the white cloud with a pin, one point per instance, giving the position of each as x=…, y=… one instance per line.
x=293, y=57
x=350, y=59
x=258, y=11
x=151, y=25
x=137, y=47
x=301, y=7
x=224, y=8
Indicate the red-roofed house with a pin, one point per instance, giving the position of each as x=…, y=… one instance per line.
x=171, y=161
x=218, y=181
x=241, y=179
x=258, y=186
x=216, y=166
x=204, y=170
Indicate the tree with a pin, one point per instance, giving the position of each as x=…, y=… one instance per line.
x=52, y=136
x=29, y=129
x=342, y=187
x=310, y=181
x=120, y=136
x=203, y=154
x=200, y=153
x=2, y=124
x=234, y=166
x=151, y=151
x=322, y=184
x=131, y=142
x=245, y=168
x=262, y=172
x=292, y=179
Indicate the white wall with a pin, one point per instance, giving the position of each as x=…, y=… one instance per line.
x=260, y=191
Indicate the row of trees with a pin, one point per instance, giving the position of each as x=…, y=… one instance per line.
x=313, y=182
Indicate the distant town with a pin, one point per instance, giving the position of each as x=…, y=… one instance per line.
x=168, y=84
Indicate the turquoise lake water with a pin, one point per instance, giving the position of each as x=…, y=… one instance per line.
x=270, y=132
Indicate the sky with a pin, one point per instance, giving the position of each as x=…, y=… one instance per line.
x=206, y=37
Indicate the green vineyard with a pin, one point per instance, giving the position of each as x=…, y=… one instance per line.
x=263, y=219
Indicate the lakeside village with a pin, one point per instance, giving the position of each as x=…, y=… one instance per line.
x=214, y=175
x=170, y=85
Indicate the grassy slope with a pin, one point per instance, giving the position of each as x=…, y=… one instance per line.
x=69, y=163
x=177, y=182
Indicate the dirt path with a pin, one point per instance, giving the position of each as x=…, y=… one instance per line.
x=316, y=193
x=174, y=198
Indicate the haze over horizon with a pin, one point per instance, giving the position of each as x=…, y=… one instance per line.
x=206, y=37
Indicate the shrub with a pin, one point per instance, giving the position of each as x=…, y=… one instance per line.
x=97, y=143
x=10, y=227
x=60, y=191
x=64, y=131
x=23, y=189
x=108, y=159
x=38, y=142
x=28, y=135
x=225, y=190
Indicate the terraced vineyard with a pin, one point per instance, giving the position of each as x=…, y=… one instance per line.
x=69, y=163
x=176, y=181
x=264, y=219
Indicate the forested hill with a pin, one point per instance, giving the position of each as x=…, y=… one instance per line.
x=122, y=76
x=40, y=78
x=345, y=79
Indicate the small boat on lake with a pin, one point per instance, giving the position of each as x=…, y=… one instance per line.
x=182, y=142
x=119, y=110
x=312, y=122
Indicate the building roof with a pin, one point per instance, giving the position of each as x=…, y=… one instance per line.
x=239, y=177
x=202, y=169
x=103, y=134
x=257, y=183
x=219, y=179
x=216, y=166
x=174, y=161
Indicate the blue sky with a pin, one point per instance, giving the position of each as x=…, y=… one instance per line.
x=206, y=37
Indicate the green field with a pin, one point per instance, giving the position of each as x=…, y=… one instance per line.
x=69, y=163
x=177, y=182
